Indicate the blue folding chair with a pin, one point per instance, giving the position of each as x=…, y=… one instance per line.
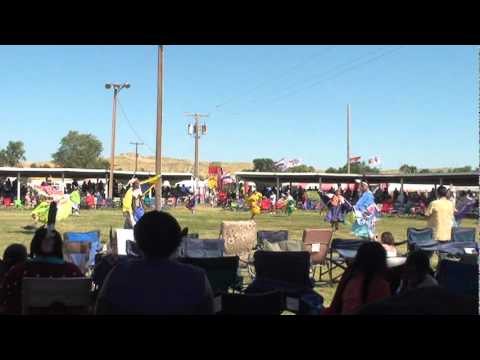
x=463, y=234
x=202, y=248
x=93, y=237
x=421, y=239
x=458, y=278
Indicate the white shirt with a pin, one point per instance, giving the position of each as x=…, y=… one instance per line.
x=273, y=198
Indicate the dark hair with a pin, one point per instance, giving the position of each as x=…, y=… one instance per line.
x=419, y=262
x=387, y=238
x=38, y=238
x=442, y=191
x=158, y=234
x=14, y=254
x=371, y=260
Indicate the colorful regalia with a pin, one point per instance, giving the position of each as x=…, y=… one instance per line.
x=365, y=212
x=290, y=205
x=253, y=201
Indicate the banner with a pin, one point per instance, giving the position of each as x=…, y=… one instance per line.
x=285, y=164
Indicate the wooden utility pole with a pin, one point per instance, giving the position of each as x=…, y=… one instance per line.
x=158, y=155
x=197, y=132
x=137, y=144
x=348, y=139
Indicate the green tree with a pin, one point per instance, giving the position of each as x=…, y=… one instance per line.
x=425, y=171
x=464, y=169
x=264, y=165
x=13, y=154
x=80, y=151
x=408, y=169
x=301, y=169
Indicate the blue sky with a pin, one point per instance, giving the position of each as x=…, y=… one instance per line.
x=410, y=104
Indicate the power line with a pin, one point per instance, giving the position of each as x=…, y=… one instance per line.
x=335, y=74
x=133, y=129
x=266, y=81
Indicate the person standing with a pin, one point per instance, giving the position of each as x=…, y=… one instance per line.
x=75, y=199
x=335, y=214
x=365, y=211
x=440, y=215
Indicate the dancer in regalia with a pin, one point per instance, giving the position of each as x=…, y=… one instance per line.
x=253, y=200
x=336, y=214
x=365, y=212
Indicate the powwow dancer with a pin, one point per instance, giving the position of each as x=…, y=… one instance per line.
x=365, y=212
x=335, y=213
x=75, y=199
x=191, y=203
x=290, y=204
x=252, y=201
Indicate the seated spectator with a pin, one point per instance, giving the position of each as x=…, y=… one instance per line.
x=14, y=254
x=156, y=284
x=432, y=300
x=417, y=273
x=46, y=260
x=363, y=283
x=388, y=242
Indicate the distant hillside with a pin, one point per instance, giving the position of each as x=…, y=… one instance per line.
x=127, y=162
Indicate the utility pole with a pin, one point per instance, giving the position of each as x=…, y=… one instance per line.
x=196, y=131
x=348, y=139
x=116, y=90
x=158, y=153
x=137, y=144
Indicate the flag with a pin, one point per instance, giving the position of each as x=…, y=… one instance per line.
x=375, y=161
x=147, y=185
x=355, y=160
x=285, y=164
x=281, y=164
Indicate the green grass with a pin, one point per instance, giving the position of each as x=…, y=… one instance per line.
x=205, y=221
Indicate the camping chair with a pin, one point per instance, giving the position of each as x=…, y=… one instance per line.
x=202, y=248
x=268, y=240
x=222, y=272
x=459, y=278
x=118, y=241
x=421, y=239
x=93, y=237
x=240, y=238
x=60, y=296
x=463, y=234
x=287, y=272
x=78, y=253
x=317, y=242
x=269, y=303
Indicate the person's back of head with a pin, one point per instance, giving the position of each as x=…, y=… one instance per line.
x=387, y=238
x=442, y=192
x=158, y=234
x=46, y=244
x=417, y=265
x=13, y=255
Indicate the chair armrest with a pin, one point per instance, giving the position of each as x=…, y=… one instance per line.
x=400, y=243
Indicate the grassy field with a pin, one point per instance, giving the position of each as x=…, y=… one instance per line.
x=205, y=221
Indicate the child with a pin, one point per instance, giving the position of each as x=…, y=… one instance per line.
x=388, y=242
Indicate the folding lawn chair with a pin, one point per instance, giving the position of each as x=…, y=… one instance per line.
x=60, y=296
x=269, y=303
x=463, y=234
x=287, y=272
x=240, y=238
x=93, y=237
x=202, y=248
x=78, y=253
x=458, y=278
x=421, y=239
x=317, y=242
x=222, y=272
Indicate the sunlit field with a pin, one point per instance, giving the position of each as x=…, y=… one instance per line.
x=206, y=222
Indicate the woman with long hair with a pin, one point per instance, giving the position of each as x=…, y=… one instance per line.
x=363, y=282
